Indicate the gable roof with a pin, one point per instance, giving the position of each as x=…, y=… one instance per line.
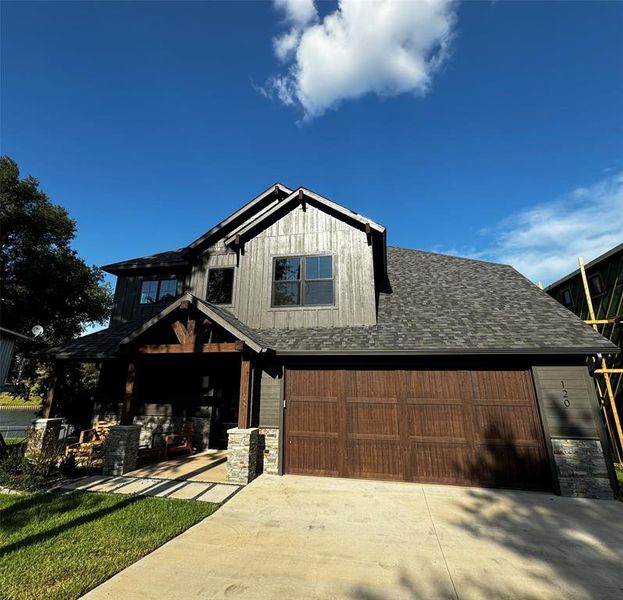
x=438, y=304
x=587, y=266
x=181, y=256
x=294, y=199
x=229, y=323
x=443, y=304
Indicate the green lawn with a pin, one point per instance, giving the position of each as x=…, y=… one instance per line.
x=7, y=399
x=59, y=546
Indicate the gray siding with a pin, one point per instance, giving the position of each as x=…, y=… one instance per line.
x=568, y=401
x=270, y=397
x=126, y=305
x=300, y=232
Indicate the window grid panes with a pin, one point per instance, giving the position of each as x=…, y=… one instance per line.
x=158, y=290
x=303, y=281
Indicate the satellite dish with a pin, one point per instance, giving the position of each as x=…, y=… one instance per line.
x=37, y=330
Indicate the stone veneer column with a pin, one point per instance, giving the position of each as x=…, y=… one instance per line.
x=269, y=447
x=242, y=455
x=582, y=469
x=121, y=449
x=43, y=439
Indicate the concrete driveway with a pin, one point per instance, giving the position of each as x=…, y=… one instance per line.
x=302, y=537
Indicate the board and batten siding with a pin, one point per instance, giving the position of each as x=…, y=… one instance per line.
x=298, y=233
x=126, y=305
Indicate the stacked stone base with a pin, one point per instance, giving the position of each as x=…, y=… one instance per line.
x=582, y=470
x=242, y=451
x=268, y=451
x=43, y=441
x=121, y=449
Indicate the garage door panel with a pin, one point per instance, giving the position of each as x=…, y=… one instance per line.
x=376, y=418
x=510, y=423
x=438, y=384
x=436, y=420
x=312, y=415
x=502, y=386
x=375, y=459
x=308, y=455
x=440, y=462
x=464, y=427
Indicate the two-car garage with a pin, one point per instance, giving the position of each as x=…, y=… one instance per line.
x=471, y=427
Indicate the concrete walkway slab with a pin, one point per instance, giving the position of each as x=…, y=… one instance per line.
x=304, y=537
x=216, y=493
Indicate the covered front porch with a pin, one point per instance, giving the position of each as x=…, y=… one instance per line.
x=179, y=391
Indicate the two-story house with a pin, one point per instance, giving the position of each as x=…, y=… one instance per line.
x=291, y=326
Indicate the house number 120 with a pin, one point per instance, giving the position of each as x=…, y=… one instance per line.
x=565, y=395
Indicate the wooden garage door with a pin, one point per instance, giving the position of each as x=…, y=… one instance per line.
x=462, y=427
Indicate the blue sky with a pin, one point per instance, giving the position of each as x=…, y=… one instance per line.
x=491, y=130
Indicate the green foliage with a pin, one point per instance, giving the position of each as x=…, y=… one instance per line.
x=28, y=472
x=62, y=545
x=43, y=280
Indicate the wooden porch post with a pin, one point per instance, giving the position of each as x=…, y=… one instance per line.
x=245, y=392
x=48, y=403
x=127, y=414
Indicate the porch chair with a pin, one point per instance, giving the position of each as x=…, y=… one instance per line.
x=91, y=444
x=179, y=443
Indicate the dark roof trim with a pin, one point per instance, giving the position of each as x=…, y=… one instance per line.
x=449, y=352
x=587, y=266
x=240, y=212
x=294, y=198
x=207, y=311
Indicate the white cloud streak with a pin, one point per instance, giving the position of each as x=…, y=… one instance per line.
x=545, y=241
x=384, y=47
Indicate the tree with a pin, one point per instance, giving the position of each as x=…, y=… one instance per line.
x=43, y=281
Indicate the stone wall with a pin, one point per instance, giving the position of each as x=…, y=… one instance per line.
x=242, y=453
x=161, y=424
x=121, y=449
x=268, y=450
x=581, y=467
x=43, y=443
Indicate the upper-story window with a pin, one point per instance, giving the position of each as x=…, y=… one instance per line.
x=303, y=281
x=158, y=290
x=220, y=286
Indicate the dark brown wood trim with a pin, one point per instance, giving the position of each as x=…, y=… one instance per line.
x=127, y=414
x=190, y=348
x=245, y=392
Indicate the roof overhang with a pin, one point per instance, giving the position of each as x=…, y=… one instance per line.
x=297, y=197
x=204, y=308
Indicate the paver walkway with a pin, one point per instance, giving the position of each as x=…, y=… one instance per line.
x=217, y=493
x=297, y=538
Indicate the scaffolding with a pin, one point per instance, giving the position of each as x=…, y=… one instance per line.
x=600, y=367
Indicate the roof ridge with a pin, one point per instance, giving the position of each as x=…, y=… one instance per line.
x=466, y=258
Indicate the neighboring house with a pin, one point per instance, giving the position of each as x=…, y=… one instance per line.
x=293, y=325
x=8, y=339
x=605, y=283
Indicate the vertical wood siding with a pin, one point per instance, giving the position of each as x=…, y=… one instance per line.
x=298, y=233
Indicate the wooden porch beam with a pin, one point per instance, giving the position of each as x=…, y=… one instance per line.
x=127, y=413
x=245, y=393
x=190, y=348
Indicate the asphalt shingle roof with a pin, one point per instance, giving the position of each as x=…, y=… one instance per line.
x=438, y=304
x=443, y=304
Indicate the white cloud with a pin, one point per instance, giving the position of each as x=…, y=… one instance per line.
x=385, y=47
x=545, y=241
